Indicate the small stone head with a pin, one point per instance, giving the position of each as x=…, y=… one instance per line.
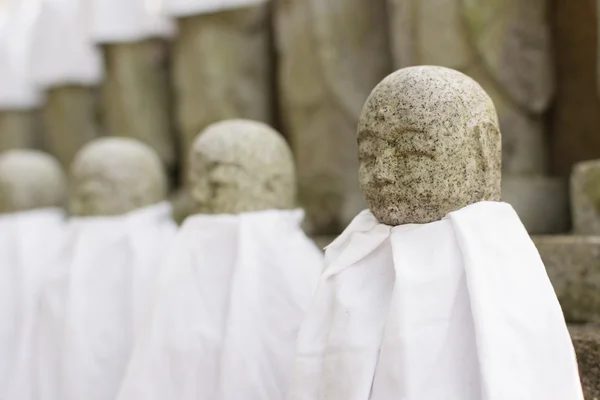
x=113, y=176
x=30, y=179
x=429, y=143
x=240, y=166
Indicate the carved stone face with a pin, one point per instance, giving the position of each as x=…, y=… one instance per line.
x=30, y=179
x=113, y=176
x=429, y=143
x=240, y=166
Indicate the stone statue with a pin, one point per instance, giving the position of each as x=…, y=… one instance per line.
x=221, y=65
x=504, y=45
x=240, y=166
x=30, y=179
x=428, y=144
x=113, y=176
x=331, y=54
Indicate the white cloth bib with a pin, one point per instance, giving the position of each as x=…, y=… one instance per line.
x=118, y=21
x=62, y=51
x=91, y=309
x=184, y=8
x=17, y=20
x=29, y=245
x=459, y=309
x=228, y=310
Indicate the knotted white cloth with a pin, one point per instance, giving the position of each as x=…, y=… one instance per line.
x=459, y=309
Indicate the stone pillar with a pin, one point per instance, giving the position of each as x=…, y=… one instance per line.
x=70, y=118
x=505, y=45
x=19, y=129
x=576, y=116
x=221, y=67
x=67, y=65
x=19, y=97
x=136, y=95
x=135, y=91
x=331, y=55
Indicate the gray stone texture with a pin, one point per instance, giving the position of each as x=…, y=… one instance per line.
x=586, y=339
x=331, y=54
x=573, y=265
x=222, y=69
x=19, y=129
x=136, y=95
x=240, y=166
x=585, y=197
x=504, y=45
x=541, y=202
x=70, y=118
x=30, y=179
x=428, y=144
x=113, y=176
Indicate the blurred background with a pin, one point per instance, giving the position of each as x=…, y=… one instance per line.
x=162, y=70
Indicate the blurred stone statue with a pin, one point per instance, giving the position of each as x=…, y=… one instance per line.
x=67, y=65
x=136, y=90
x=114, y=176
x=241, y=166
x=504, y=45
x=331, y=54
x=29, y=180
x=222, y=63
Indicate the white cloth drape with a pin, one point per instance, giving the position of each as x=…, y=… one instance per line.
x=17, y=20
x=229, y=306
x=183, y=8
x=117, y=21
x=62, y=50
x=459, y=309
x=92, y=308
x=29, y=245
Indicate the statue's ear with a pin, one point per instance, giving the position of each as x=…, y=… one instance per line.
x=489, y=154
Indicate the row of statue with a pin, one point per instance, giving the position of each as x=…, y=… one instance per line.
x=435, y=291
x=327, y=57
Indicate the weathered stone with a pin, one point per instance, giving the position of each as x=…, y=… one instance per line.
x=113, y=176
x=585, y=197
x=586, y=340
x=70, y=120
x=182, y=203
x=136, y=95
x=575, y=119
x=428, y=144
x=222, y=69
x=323, y=241
x=541, y=202
x=331, y=54
x=239, y=166
x=19, y=129
x=573, y=265
x=504, y=45
x=30, y=179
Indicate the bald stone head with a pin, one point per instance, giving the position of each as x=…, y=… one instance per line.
x=30, y=179
x=241, y=166
x=429, y=143
x=113, y=176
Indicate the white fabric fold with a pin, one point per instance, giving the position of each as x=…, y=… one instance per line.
x=120, y=21
x=92, y=308
x=29, y=244
x=62, y=50
x=184, y=8
x=227, y=311
x=459, y=309
x=17, y=20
